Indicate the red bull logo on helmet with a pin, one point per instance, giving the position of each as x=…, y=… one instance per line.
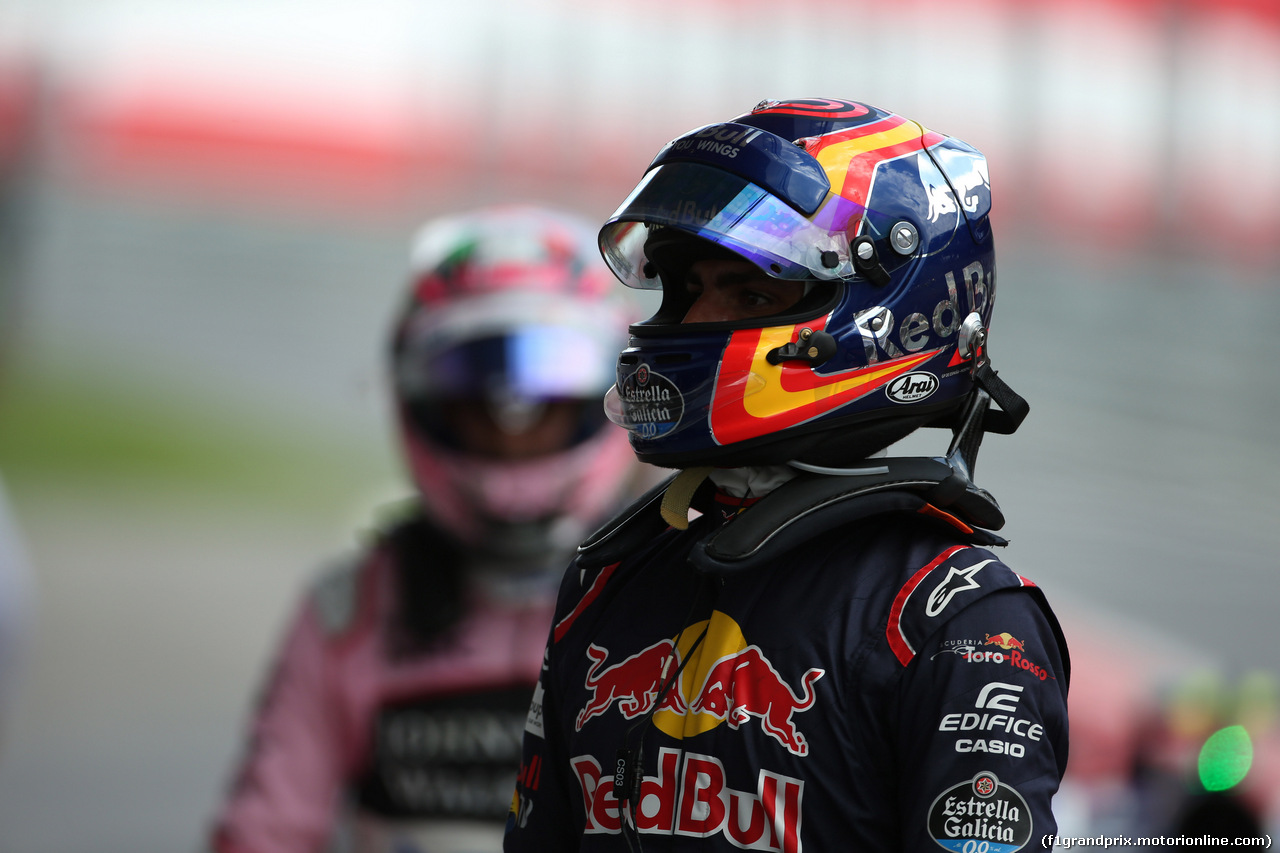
x=689, y=796
x=725, y=681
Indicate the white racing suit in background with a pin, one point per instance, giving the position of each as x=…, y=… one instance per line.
x=394, y=712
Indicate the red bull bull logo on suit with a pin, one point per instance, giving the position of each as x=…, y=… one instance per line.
x=726, y=680
x=634, y=683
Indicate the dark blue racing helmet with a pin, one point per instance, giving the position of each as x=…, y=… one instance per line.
x=887, y=225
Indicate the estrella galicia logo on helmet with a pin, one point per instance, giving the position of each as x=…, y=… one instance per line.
x=981, y=813
x=912, y=387
x=651, y=403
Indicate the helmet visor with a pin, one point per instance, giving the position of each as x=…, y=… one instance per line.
x=730, y=211
x=509, y=343
x=530, y=392
x=532, y=362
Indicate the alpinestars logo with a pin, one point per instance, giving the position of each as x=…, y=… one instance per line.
x=956, y=582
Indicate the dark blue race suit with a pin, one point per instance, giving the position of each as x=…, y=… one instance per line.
x=885, y=686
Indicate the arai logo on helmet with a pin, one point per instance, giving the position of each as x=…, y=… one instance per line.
x=911, y=387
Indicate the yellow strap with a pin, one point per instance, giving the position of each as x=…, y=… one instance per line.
x=675, y=502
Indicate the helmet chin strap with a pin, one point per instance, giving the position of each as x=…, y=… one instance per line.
x=962, y=455
x=676, y=499
x=977, y=418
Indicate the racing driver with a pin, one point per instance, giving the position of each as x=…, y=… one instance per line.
x=392, y=717
x=799, y=641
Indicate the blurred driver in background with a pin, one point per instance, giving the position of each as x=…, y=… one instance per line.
x=392, y=719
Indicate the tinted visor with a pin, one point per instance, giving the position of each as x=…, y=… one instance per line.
x=515, y=378
x=538, y=362
x=731, y=211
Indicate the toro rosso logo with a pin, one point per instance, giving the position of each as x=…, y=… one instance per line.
x=725, y=680
x=979, y=651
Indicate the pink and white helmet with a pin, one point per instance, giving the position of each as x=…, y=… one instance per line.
x=500, y=359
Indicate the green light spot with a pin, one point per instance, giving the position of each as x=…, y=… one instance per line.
x=1225, y=758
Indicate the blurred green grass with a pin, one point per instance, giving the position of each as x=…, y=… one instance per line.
x=99, y=427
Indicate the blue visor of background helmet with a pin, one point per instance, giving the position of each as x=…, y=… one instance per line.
x=533, y=362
